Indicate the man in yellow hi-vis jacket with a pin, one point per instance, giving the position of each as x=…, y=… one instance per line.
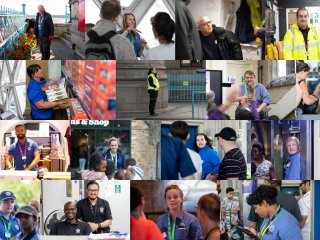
x=153, y=88
x=302, y=40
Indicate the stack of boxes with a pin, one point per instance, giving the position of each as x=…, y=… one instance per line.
x=95, y=84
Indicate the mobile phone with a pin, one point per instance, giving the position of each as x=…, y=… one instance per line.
x=248, y=232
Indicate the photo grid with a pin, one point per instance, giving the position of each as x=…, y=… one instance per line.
x=159, y=119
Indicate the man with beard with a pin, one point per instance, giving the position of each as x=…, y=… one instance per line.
x=27, y=216
x=24, y=152
x=94, y=210
x=71, y=226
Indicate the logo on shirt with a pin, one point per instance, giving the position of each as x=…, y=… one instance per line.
x=29, y=148
x=77, y=231
x=270, y=230
x=101, y=209
x=17, y=226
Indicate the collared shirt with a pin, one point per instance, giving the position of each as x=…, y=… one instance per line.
x=286, y=201
x=14, y=150
x=70, y=229
x=294, y=167
x=96, y=214
x=187, y=226
x=304, y=204
x=34, y=235
x=35, y=94
x=14, y=228
x=261, y=93
x=229, y=205
x=284, y=227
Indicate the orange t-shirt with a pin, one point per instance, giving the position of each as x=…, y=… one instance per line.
x=144, y=229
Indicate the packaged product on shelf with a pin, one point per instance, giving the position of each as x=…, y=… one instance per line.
x=55, y=90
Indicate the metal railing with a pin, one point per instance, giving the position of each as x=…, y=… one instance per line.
x=199, y=106
x=181, y=85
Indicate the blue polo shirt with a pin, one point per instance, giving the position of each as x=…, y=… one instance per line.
x=284, y=227
x=14, y=228
x=294, y=167
x=187, y=226
x=175, y=159
x=14, y=150
x=261, y=93
x=35, y=94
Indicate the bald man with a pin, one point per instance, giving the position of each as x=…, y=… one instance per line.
x=44, y=31
x=217, y=43
x=71, y=226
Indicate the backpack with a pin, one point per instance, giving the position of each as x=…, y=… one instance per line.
x=100, y=47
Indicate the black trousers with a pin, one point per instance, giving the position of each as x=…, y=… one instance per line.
x=153, y=99
x=44, y=43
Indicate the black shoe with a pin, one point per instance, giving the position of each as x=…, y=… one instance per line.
x=153, y=115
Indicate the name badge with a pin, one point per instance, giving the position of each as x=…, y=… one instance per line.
x=24, y=157
x=7, y=235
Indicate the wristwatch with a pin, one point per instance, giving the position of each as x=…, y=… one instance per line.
x=99, y=225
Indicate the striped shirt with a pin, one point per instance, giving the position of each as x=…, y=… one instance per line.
x=233, y=165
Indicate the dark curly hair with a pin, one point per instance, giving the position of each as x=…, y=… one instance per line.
x=95, y=160
x=209, y=143
x=164, y=26
x=263, y=192
x=260, y=148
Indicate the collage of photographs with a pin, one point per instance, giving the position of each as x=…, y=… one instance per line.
x=159, y=119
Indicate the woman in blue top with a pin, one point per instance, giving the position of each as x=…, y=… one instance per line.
x=177, y=224
x=130, y=31
x=115, y=154
x=40, y=107
x=210, y=158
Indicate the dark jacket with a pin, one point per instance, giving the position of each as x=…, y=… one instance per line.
x=48, y=25
x=228, y=44
x=121, y=158
x=188, y=44
x=244, y=29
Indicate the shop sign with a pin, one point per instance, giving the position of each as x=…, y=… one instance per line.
x=103, y=123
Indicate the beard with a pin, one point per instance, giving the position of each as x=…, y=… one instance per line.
x=21, y=136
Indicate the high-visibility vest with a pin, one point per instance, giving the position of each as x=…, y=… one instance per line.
x=294, y=47
x=255, y=12
x=155, y=82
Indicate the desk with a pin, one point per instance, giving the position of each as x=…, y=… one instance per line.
x=107, y=236
x=57, y=176
x=18, y=175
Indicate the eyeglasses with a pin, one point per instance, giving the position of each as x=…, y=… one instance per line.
x=93, y=190
x=206, y=23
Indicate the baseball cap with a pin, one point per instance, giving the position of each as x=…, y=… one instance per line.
x=7, y=195
x=227, y=133
x=28, y=210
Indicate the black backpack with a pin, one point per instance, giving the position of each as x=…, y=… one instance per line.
x=100, y=47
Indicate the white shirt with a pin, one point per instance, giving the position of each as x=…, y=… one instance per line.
x=304, y=205
x=161, y=52
x=197, y=163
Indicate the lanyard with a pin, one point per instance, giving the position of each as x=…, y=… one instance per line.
x=25, y=149
x=115, y=160
x=6, y=227
x=171, y=231
x=132, y=38
x=267, y=225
